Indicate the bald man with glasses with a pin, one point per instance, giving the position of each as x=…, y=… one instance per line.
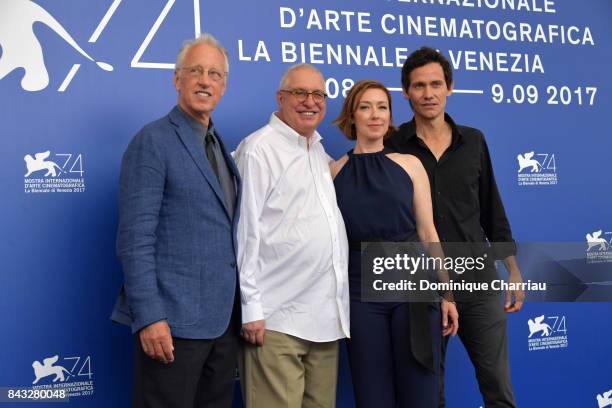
x=292, y=256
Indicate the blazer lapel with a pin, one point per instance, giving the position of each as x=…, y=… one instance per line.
x=196, y=151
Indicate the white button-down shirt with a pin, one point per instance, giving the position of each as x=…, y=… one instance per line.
x=292, y=245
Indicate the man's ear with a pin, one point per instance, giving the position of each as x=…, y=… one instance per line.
x=450, y=90
x=405, y=95
x=175, y=80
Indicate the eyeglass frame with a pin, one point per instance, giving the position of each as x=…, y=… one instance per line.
x=196, y=71
x=305, y=94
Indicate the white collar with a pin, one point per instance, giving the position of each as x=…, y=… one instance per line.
x=290, y=134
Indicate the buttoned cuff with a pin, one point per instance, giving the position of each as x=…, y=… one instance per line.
x=252, y=312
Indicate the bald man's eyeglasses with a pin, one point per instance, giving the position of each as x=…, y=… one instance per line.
x=301, y=94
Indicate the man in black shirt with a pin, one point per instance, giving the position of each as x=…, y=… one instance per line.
x=468, y=210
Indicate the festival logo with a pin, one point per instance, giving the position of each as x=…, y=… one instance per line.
x=22, y=49
x=547, y=333
x=537, y=325
x=72, y=374
x=604, y=399
x=57, y=173
x=536, y=169
x=47, y=368
x=36, y=163
x=599, y=246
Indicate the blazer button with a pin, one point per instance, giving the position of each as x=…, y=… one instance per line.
x=233, y=264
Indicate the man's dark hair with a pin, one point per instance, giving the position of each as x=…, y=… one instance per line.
x=424, y=56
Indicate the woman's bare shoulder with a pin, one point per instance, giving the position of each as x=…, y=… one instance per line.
x=408, y=162
x=336, y=166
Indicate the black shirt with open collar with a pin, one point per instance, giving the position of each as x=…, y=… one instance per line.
x=466, y=202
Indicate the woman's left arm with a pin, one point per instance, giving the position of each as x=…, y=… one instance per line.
x=423, y=211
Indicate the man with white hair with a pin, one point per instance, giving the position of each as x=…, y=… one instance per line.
x=179, y=202
x=292, y=254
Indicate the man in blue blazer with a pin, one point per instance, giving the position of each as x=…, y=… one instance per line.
x=178, y=210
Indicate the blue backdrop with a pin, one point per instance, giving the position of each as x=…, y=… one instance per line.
x=532, y=75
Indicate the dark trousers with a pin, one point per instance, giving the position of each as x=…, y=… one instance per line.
x=201, y=376
x=482, y=330
x=384, y=371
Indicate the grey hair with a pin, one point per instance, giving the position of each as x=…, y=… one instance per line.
x=285, y=78
x=204, y=38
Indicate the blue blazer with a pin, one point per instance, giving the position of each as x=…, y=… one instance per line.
x=176, y=240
